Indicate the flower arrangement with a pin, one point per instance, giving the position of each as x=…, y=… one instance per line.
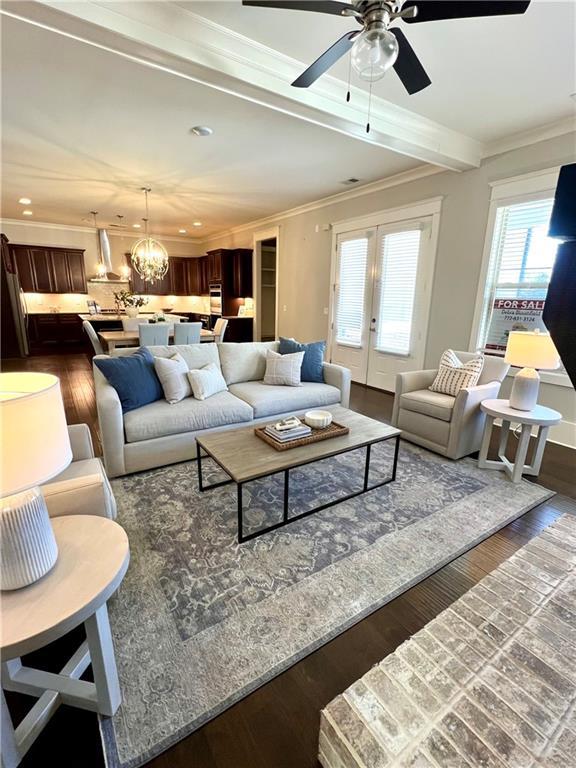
x=128, y=300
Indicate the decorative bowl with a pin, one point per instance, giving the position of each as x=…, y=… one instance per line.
x=318, y=419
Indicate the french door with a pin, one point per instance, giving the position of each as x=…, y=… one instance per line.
x=381, y=300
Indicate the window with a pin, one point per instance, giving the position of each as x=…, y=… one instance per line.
x=351, y=287
x=399, y=253
x=521, y=261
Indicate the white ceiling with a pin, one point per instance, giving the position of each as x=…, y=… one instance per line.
x=491, y=77
x=84, y=129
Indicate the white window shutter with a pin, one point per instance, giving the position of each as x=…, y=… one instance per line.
x=398, y=255
x=351, y=290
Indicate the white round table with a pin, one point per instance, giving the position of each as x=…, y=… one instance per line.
x=93, y=556
x=540, y=416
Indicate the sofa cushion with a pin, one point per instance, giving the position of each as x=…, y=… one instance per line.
x=267, y=400
x=435, y=404
x=312, y=365
x=245, y=361
x=133, y=378
x=283, y=370
x=190, y=415
x=172, y=372
x=207, y=382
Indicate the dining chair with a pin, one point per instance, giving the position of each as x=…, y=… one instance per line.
x=93, y=336
x=132, y=323
x=187, y=333
x=153, y=334
x=220, y=329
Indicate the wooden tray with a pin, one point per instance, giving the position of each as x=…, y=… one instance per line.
x=332, y=430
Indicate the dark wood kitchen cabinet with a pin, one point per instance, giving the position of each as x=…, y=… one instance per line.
x=242, y=272
x=49, y=270
x=186, y=276
x=48, y=333
x=215, y=265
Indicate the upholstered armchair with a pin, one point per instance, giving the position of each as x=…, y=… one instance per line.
x=82, y=488
x=444, y=424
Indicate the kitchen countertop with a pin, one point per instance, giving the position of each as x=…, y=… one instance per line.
x=100, y=318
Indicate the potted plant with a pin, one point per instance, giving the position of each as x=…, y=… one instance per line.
x=130, y=302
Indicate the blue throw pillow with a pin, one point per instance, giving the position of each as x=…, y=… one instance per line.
x=313, y=357
x=134, y=378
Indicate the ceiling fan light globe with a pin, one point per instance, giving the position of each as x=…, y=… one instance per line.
x=373, y=54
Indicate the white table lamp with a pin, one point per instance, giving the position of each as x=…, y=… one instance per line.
x=34, y=447
x=529, y=350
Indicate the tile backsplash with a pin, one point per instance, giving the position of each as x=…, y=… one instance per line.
x=103, y=294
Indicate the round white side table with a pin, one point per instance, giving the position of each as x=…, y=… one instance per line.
x=93, y=557
x=540, y=416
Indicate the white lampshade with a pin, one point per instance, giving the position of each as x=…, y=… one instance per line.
x=34, y=442
x=531, y=349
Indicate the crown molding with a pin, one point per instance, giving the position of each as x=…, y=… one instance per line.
x=169, y=37
x=366, y=189
x=94, y=230
x=534, y=135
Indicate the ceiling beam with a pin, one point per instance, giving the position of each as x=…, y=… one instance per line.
x=169, y=37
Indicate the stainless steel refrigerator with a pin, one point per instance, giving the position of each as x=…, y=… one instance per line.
x=14, y=316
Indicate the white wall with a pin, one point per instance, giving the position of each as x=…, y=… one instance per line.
x=304, y=254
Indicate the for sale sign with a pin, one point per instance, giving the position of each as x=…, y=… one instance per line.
x=513, y=315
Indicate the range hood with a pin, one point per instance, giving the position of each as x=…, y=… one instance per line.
x=105, y=256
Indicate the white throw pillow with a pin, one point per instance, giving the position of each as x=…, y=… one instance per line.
x=453, y=375
x=173, y=375
x=207, y=381
x=283, y=370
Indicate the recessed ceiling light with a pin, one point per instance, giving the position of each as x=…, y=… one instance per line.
x=27, y=213
x=182, y=231
x=201, y=130
x=24, y=201
x=136, y=226
x=351, y=180
x=196, y=223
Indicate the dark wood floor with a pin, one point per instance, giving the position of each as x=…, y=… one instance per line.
x=277, y=725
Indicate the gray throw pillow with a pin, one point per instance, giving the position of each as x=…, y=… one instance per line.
x=207, y=381
x=283, y=370
x=173, y=375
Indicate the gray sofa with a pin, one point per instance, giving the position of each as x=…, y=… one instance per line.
x=160, y=433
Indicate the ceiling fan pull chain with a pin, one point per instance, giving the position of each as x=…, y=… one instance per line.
x=349, y=76
x=369, y=107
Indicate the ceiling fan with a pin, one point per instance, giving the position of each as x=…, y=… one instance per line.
x=376, y=47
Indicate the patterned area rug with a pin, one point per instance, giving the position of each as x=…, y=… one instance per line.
x=200, y=620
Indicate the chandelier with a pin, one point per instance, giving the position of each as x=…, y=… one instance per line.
x=149, y=257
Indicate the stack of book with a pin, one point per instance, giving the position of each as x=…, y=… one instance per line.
x=288, y=430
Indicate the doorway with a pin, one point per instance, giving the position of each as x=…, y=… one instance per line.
x=266, y=285
x=382, y=278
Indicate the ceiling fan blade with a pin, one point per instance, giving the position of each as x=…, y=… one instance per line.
x=408, y=67
x=319, y=6
x=324, y=62
x=436, y=10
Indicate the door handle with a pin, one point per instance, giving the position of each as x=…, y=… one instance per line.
x=373, y=324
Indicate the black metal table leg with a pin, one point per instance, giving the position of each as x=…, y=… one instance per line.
x=286, y=492
x=240, y=515
x=367, y=467
x=199, y=459
x=395, y=464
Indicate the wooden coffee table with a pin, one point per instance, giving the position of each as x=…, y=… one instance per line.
x=244, y=457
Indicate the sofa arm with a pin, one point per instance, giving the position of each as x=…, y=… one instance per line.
x=468, y=420
x=338, y=376
x=410, y=381
x=111, y=423
x=80, y=442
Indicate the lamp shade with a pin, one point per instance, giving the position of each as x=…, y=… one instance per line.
x=531, y=349
x=34, y=442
